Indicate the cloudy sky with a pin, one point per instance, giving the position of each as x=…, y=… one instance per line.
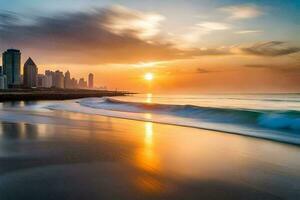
x=190, y=46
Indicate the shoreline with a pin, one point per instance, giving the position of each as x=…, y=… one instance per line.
x=148, y=160
x=293, y=143
x=55, y=94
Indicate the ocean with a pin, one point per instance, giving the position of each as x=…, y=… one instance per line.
x=269, y=116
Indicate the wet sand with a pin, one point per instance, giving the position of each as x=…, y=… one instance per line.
x=61, y=155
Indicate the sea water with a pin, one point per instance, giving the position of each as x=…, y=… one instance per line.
x=268, y=116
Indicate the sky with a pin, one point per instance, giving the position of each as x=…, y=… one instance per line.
x=190, y=46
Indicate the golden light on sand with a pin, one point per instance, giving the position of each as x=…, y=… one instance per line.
x=148, y=160
x=148, y=76
x=146, y=157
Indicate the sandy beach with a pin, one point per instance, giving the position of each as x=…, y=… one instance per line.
x=65, y=155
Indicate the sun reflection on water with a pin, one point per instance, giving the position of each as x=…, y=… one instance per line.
x=148, y=116
x=147, y=158
x=148, y=133
x=148, y=161
x=149, y=98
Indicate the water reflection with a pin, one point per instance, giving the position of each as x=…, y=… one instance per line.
x=30, y=131
x=148, y=116
x=148, y=134
x=147, y=160
x=18, y=130
x=30, y=103
x=11, y=130
x=10, y=104
x=146, y=156
x=149, y=98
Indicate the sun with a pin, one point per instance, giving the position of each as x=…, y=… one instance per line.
x=148, y=76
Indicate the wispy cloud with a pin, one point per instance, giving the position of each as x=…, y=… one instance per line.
x=272, y=48
x=204, y=71
x=201, y=29
x=212, y=26
x=242, y=11
x=7, y=17
x=256, y=66
x=122, y=20
x=288, y=68
x=248, y=31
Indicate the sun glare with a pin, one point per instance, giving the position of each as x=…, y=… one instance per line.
x=149, y=76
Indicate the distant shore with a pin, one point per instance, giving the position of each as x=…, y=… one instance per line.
x=55, y=94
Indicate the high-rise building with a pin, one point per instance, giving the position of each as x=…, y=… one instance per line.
x=30, y=73
x=68, y=80
x=41, y=80
x=59, y=79
x=50, y=78
x=82, y=83
x=3, y=79
x=11, y=60
x=91, y=80
x=74, y=83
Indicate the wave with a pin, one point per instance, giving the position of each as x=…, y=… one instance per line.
x=273, y=119
x=278, y=125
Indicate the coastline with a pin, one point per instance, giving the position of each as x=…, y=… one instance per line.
x=50, y=155
x=290, y=142
x=259, y=132
x=55, y=94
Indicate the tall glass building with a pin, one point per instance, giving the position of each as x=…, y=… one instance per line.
x=11, y=60
x=30, y=73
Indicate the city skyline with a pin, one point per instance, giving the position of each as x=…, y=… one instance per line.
x=11, y=75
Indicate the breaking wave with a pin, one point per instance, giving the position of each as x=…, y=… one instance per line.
x=289, y=120
x=279, y=125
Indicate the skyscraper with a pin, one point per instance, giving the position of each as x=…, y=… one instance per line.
x=82, y=83
x=59, y=79
x=91, y=80
x=11, y=60
x=74, y=83
x=30, y=73
x=68, y=81
x=3, y=81
x=50, y=78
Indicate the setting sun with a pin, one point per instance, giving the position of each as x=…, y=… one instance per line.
x=149, y=76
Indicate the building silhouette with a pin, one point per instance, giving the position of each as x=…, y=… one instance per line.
x=82, y=83
x=3, y=79
x=10, y=76
x=11, y=60
x=74, y=83
x=50, y=78
x=41, y=81
x=30, y=74
x=59, y=79
x=68, y=80
x=91, y=80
